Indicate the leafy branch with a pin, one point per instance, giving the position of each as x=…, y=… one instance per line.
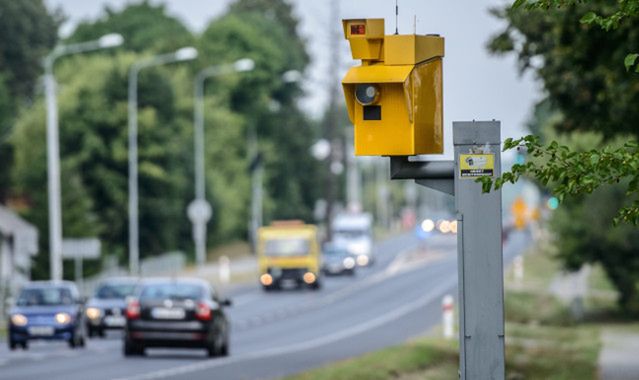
x=625, y=9
x=573, y=173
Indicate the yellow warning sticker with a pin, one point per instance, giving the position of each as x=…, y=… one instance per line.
x=476, y=165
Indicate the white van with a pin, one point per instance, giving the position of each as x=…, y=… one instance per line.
x=354, y=232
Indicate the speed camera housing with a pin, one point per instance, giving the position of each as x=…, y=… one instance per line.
x=394, y=98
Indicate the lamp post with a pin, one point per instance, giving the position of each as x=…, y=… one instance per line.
x=183, y=54
x=199, y=210
x=257, y=171
x=53, y=142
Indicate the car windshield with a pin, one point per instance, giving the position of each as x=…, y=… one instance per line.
x=45, y=297
x=350, y=234
x=172, y=291
x=334, y=252
x=114, y=291
x=287, y=247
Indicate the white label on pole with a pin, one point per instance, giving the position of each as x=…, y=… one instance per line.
x=199, y=211
x=88, y=248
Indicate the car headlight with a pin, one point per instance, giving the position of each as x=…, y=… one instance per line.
x=62, y=318
x=349, y=263
x=93, y=313
x=19, y=320
x=362, y=260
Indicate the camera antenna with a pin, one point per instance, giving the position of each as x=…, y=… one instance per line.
x=396, y=15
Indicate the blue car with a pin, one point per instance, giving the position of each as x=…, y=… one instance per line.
x=47, y=311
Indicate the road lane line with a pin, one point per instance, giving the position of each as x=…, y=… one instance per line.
x=431, y=296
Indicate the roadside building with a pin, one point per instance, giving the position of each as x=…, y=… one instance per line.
x=18, y=244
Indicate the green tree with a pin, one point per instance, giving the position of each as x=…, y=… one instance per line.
x=93, y=140
x=265, y=31
x=28, y=32
x=578, y=49
x=582, y=53
x=144, y=26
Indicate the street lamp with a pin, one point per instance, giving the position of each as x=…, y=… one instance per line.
x=53, y=142
x=199, y=210
x=181, y=55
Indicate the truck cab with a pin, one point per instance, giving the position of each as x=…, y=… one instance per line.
x=353, y=231
x=288, y=252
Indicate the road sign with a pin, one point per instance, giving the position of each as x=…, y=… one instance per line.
x=88, y=248
x=199, y=211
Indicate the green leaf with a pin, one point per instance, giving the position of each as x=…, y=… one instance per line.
x=588, y=18
x=630, y=61
x=518, y=3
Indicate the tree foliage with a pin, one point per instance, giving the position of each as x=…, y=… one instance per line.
x=585, y=150
x=580, y=65
x=144, y=26
x=92, y=101
x=28, y=32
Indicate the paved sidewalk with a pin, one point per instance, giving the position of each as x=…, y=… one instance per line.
x=619, y=357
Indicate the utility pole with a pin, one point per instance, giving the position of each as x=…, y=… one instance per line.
x=332, y=117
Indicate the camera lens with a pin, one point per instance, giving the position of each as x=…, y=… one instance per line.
x=366, y=94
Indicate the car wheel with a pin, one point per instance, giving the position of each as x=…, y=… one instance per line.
x=211, y=349
x=224, y=350
x=131, y=349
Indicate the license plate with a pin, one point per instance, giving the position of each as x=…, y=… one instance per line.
x=115, y=321
x=162, y=313
x=41, y=330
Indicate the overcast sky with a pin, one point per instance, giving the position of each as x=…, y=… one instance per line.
x=476, y=85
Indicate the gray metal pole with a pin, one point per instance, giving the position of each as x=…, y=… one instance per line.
x=183, y=54
x=481, y=290
x=199, y=230
x=134, y=245
x=256, y=190
x=198, y=137
x=53, y=173
x=53, y=143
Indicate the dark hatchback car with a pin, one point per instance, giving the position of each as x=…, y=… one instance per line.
x=47, y=311
x=106, y=309
x=184, y=313
x=337, y=260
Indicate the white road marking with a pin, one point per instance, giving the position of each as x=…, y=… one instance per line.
x=434, y=294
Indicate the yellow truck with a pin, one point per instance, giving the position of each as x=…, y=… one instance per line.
x=289, y=252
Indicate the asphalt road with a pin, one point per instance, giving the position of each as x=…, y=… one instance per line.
x=281, y=333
